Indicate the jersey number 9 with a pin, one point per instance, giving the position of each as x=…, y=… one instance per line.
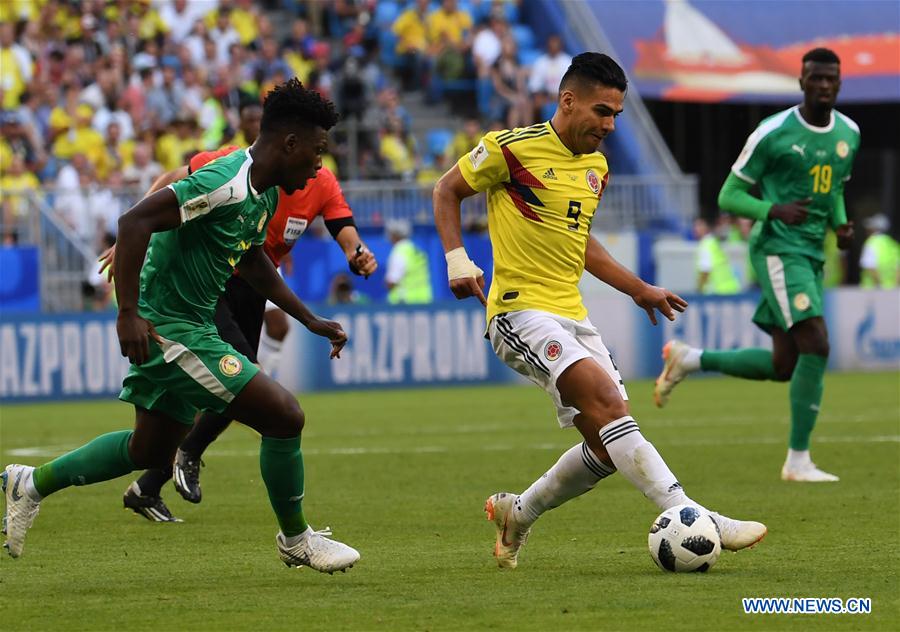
x=574, y=213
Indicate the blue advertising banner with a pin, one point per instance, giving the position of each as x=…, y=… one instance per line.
x=46, y=358
x=49, y=357
x=434, y=345
x=20, y=286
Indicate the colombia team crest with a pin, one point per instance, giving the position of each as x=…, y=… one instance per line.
x=230, y=365
x=593, y=181
x=552, y=350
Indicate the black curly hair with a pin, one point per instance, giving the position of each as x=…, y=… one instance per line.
x=290, y=105
x=594, y=68
x=822, y=56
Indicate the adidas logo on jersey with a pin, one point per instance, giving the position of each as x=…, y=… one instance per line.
x=549, y=174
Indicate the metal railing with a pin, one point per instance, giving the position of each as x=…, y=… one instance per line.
x=658, y=202
x=66, y=261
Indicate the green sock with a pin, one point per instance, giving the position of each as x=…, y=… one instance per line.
x=281, y=464
x=751, y=364
x=807, y=384
x=104, y=458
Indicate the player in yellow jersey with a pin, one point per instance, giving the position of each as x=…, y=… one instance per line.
x=544, y=183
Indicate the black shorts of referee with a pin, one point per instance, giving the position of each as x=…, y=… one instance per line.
x=239, y=316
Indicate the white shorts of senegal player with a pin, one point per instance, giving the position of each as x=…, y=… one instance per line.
x=541, y=345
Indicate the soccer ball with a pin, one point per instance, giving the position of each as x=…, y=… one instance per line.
x=685, y=539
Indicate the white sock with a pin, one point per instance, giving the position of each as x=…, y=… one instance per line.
x=798, y=458
x=641, y=464
x=269, y=354
x=30, y=489
x=576, y=472
x=691, y=360
x=294, y=540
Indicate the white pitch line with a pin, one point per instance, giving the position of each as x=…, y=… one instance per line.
x=53, y=451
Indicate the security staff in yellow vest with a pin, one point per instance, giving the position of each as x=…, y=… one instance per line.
x=715, y=274
x=407, y=276
x=880, y=260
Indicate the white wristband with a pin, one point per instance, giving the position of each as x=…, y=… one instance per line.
x=459, y=266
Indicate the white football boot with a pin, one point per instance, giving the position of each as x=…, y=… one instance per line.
x=317, y=551
x=806, y=473
x=510, y=535
x=673, y=372
x=21, y=510
x=738, y=534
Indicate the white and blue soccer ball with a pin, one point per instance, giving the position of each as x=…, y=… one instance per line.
x=685, y=539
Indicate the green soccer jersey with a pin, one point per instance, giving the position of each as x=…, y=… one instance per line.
x=221, y=218
x=792, y=160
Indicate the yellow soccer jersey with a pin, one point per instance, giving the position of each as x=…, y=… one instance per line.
x=541, y=200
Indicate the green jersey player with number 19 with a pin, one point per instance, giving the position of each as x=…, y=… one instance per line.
x=193, y=235
x=543, y=186
x=804, y=154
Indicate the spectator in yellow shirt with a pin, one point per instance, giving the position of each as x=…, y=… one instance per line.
x=16, y=67
x=175, y=147
x=448, y=30
x=411, y=30
x=81, y=138
x=449, y=24
x=14, y=184
x=464, y=140
x=397, y=150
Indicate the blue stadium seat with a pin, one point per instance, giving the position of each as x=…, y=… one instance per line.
x=523, y=35
x=386, y=11
x=436, y=141
x=387, y=45
x=527, y=56
x=548, y=110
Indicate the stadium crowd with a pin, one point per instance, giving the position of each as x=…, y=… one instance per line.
x=99, y=97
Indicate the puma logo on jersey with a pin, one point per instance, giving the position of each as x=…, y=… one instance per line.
x=800, y=150
x=549, y=174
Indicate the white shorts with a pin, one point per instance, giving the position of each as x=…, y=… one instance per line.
x=541, y=345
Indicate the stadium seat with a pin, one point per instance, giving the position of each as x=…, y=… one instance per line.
x=387, y=44
x=436, y=141
x=386, y=11
x=484, y=92
x=527, y=56
x=523, y=35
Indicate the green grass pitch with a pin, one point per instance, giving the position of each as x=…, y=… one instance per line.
x=402, y=476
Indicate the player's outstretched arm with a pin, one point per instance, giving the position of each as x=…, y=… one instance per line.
x=601, y=264
x=156, y=213
x=258, y=270
x=466, y=279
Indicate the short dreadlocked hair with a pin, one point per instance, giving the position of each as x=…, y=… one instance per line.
x=290, y=105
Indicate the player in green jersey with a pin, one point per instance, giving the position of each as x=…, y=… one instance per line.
x=175, y=251
x=800, y=159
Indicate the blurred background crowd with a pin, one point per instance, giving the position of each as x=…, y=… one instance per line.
x=99, y=97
